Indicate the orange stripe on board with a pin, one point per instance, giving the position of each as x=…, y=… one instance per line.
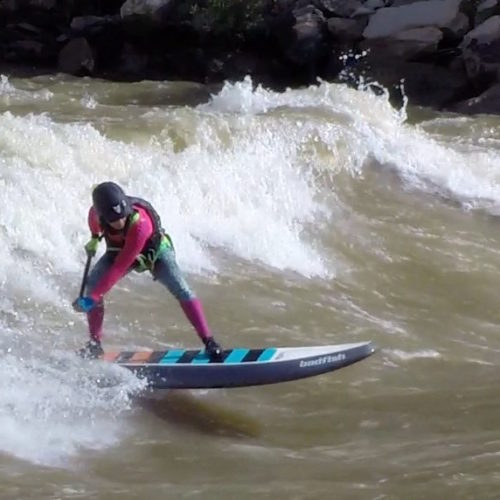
x=110, y=356
x=140, y=357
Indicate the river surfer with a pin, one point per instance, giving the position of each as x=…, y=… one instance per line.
x=135, y=240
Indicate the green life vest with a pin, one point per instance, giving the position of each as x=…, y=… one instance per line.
x=154, y=246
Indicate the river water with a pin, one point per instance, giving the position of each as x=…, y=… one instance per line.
x=314, y=216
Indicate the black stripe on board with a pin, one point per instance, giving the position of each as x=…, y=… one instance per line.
x=124, y=356
x=224, y=355
x=188, y=356
x=252, y=355
x=156, y=356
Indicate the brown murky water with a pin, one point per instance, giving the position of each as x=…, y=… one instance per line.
x=311, y=217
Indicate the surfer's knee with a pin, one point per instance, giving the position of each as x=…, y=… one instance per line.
x=98, y=271
x=179, y=288
x=92, y=282
x=168, y=273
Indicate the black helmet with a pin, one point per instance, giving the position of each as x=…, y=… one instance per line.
x=110, y=202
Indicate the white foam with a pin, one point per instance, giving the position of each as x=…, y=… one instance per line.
x=410, y=355
x=48, y=414
x=248, y=197
x=11, y=95
x=88, y=101
x=239, y=173
x=366, y=128
x=244, y=174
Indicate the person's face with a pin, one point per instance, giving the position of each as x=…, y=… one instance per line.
x=119, y=223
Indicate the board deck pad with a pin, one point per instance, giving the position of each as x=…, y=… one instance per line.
x=193, y=369
x=188, y=356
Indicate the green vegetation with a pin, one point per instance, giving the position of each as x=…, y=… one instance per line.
x=223, y=16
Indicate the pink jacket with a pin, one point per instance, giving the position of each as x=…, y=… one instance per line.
x=131, y=245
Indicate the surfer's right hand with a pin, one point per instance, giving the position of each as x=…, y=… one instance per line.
x=83, y=304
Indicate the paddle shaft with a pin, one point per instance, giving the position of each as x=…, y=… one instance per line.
x=85, y=275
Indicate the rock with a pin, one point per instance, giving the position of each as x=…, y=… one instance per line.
x=484, y=33
x=482, y=61
x=30, y=50
x=28, y=28
x=485, y=10
x=300, y=35
x=368, y=8
x=374, y=4
x=400, y=3
x=408, y=44
x=132, y=62
x=363, y=12
x=82, y=23
x=439, y=13
x=9, y=5
x=142, y=7
x=457, y=28
x=434, y=86
x=284, y=42
x=44, y=4
x=487, y=102
x=29, y=41
x=308, y=35
x=481, y=52
x=346, y=29
x=424, y=84
x=338, y=8
x=16, y=5
x=76, y=58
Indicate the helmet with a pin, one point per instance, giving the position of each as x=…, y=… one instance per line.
x=110, y=202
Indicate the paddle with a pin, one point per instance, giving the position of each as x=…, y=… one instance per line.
x=85, y=275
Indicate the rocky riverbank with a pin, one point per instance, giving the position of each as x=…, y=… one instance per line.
x=443, y=54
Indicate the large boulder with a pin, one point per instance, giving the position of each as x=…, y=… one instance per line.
x=86, y=8
x=484, y=33
x=400, y=3
x=25, y=51
x=424, y=84
x=338, y=8
x=481, y=51
x=443, y=14
x=487, y=102
x=43, y=4
x=15, y=5
x=346, y=29
x=142, y=7
x=24, y=42
x=301, y=35
x=408, y=44
x=81, y=24
x=131, y=61
x=77, y=58
x=104, y=34
x=485, y=10
x=433, y=86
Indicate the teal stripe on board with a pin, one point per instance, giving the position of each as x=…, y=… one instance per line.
x=171, y=357
x=236, y=355
x=268, y=354
x=200, y=358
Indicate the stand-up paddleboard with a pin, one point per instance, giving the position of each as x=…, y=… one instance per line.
x=192, y=369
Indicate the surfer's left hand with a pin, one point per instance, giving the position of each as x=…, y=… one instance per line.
x=83, y=304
